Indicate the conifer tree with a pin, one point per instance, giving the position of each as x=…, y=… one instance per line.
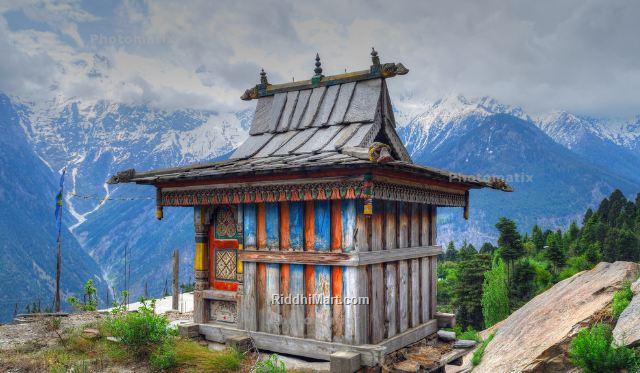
x=451, y=254
x=554, y=251
x=468, y=290
x=487, y=248
x=537, y=238
x=509, y=242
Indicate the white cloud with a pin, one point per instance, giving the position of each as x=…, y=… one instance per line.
x=576, y=55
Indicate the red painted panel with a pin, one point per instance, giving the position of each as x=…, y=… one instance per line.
x=336, y=225
x=309, y=229
x=261, y=234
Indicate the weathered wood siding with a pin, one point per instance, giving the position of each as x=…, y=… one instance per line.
x=401, y=293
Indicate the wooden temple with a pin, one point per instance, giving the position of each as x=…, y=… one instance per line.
x=318, y=234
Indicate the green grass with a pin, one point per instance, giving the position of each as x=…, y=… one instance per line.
x=191, y=354
x=477, y=355
x=593, y=351
x=621, y=299
x=469, y=333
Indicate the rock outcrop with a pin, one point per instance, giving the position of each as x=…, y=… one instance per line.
x=627, y=330
x=536, y=337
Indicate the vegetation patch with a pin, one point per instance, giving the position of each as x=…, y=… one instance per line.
x=270, y=365
x=477, y=355
x=469, y=333
x=621, y=299
x=593, y=351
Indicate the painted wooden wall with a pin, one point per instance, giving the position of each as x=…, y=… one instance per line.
x=401, y=293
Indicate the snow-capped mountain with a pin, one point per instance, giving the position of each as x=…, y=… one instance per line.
x=554, y=181
x=546, y=159
x=426, y=126
x=611, y=144
x=567, y=129
x=28, y=229
x=93, y=142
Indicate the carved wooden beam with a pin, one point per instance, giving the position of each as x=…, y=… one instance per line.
x=338, y=258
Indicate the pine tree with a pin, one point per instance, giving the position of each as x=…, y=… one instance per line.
x=466, y=251
x=495, y=295
x=523, y=287
x=554, y=251
x=487, y=248
x=538, y=238
x=451, y=254
x=593, y=253
x=468, y=290
x=509, y=242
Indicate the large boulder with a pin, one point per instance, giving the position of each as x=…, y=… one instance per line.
x=536, y=337
x=627, y=330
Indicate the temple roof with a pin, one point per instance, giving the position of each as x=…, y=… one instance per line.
x=324, y=122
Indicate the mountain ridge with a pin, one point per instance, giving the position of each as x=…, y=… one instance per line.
x=476, y=136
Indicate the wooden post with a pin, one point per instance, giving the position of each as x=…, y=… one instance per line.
x=201, y=264
x=176, y=269
x=58, y=269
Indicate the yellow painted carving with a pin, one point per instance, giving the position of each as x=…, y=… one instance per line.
x=200, y=263
x=239, y=264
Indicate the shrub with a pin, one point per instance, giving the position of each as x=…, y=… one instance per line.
x=270, y=365
x=90, y=298
x=621, y=299
x=593, y=351
x=477, y=355
x=139, y=331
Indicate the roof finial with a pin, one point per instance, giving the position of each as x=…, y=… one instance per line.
x=263, y=77
x=318, y=69
x=374, y=56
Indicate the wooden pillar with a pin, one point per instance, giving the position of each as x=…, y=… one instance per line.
x=414, y=287
x=425, y=265
x=337, y=229
x=377, y=303
x=322, y=230
x=391, y=285
x=309, y=270
x=249, y=299
x=201, y=263
x=403, y=268
x=296, y=271
x=273, y=270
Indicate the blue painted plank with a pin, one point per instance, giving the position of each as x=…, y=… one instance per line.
x=296, y=287
x=348, y=224
x=272, y=217
x=296, y=225
x=249, y=228
x=322, y=225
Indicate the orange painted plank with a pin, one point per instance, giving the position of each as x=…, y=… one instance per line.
x=337, y=308
x=285, y=237
x=285, y=309
x=336, y=225
x=309, y=230
x=261, y=290
x=261, y=226
x=310, y=309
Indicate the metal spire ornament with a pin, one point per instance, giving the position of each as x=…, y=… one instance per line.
x=374, y=56
x=318, y=70
x=263, y=77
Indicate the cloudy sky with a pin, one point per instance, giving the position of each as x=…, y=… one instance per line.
x=582, y=56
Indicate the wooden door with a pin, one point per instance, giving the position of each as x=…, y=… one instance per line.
x=224, y=235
